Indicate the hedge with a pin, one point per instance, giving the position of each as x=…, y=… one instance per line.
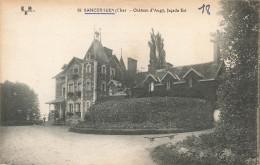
x=153, y=113
x=183, y=111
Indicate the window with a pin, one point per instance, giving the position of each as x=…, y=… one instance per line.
x=71, y=107
x=103, y=86
x=75, y=69
x=151, y=86
x=76, y=87
x=88, y=68
x=70, y=87
x=89, y=56
x=79, y=86
x=112, y=73
x=104, y=69
x=77, y=107
x=63, y=91
x=190, y=82
x=88, y=104
x=168, y=85
x=88, y=86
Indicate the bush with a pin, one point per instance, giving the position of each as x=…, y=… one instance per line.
x=156, y=113
x=182, y=111
x=197, y=151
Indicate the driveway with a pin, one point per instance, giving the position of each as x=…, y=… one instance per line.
x=41, y=145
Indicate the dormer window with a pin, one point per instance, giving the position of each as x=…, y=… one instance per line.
x=75, y=69
x=88, y=68
x=151, y=86
x=104, y=69
x=190, y=83
x=89, y=56
x=168, y=85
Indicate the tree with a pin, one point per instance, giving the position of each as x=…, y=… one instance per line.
x=237, y=94
x=18, y=103
x=157, y=52
x=152, y=45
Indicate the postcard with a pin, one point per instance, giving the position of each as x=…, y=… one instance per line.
x=129, y=82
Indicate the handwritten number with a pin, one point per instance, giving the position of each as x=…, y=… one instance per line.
x=202, y=7
x=206, y=7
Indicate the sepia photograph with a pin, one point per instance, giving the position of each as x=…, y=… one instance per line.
x=119, y=82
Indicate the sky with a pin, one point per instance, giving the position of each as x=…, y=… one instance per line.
x=34, y=47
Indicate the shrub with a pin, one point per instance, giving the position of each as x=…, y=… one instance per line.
x=196, y=151
x=184, y=111
x=167, y=113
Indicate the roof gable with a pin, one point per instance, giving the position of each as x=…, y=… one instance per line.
x=172, y=75
x=193, y=70
x=207, y=70
x=117, y=83
x=155, y=78
x=75, y=60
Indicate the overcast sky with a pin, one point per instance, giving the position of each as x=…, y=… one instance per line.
x=34, y=47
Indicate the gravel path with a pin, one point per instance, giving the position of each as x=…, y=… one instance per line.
x=42, y=145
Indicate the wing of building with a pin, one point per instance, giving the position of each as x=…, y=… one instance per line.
x=84, y=81
x=197, y=81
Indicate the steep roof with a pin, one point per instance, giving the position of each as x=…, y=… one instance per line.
x=207, y=71
x=62, y=73
x=193, y=70
x=122, y=63
x=97, y=49
x=109, y=52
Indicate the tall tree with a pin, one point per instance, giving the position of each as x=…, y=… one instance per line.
x=157, y=52
x=160, y=53
x=18, y=102
x=237, y=95
x=152, y=45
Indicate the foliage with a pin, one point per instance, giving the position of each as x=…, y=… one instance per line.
x=234, y=140
x=18, y=103
x=237, y=95
x=155, y=113
x=184, y=111
x=198, y=151
x=157, y=52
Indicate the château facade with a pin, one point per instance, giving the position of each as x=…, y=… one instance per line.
x=82, y=82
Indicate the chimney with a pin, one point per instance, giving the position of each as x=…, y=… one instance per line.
x=216, y=52
x=132, y=66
